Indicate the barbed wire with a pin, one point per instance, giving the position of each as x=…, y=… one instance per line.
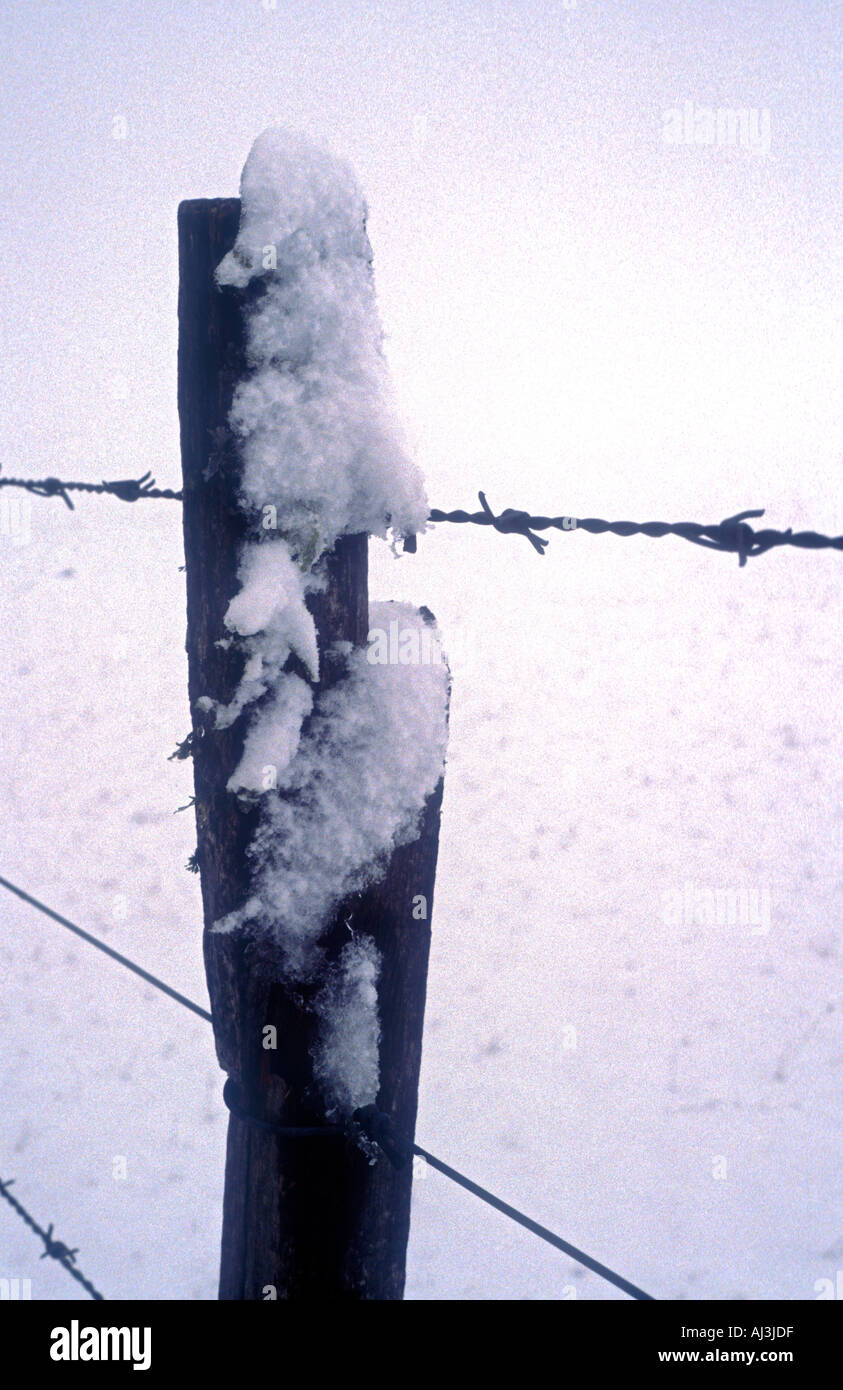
x=733, y=535
x=53, y=1248
x=372, y=1121
x=127, y=489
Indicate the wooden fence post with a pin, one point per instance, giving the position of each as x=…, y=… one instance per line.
x=309, y=1216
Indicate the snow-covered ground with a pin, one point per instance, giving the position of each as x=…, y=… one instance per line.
x=667, y=1098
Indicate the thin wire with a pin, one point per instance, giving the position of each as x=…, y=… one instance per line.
x=527, y=1222
x=733, y=535
x=541, y=1231
x=56, y=1249
x=127, y=489
x=107, y=950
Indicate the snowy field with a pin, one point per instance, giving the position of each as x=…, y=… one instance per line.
x=580, y=320
x=664, y=719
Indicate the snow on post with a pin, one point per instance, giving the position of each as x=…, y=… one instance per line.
x=319, y=439
x=340, y=775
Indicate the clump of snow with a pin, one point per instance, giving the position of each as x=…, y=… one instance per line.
x=345, y=1057
x=269, y=613
x=314, y=418
x=273, y=737
x=373, y=753
x=239, y=917
x=350, y=792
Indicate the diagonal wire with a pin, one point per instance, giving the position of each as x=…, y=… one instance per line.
x=530, y=1225
x=107, y=950
x=56, y=1249
x=512, y=1212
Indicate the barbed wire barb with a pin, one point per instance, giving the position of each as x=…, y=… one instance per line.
x=53, y=1249
x=733, y=535
x=126, y=489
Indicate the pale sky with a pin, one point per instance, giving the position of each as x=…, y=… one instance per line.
x=580, y=318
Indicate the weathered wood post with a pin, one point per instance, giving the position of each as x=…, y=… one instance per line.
x=305, y=1215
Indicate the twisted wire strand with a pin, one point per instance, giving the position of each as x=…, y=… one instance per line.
x=734, y=534
x=127, y=489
